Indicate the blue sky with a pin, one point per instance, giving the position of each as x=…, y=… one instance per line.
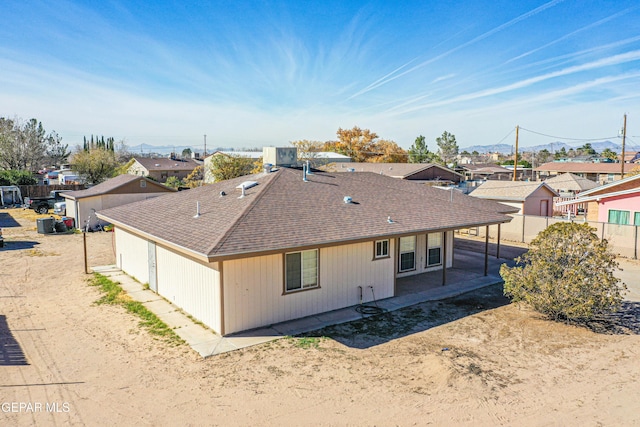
x=254, y=73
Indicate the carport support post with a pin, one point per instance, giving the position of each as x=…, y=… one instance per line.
x=444, y=258
x=486, y=251
x=498, y=244
x=84, y=244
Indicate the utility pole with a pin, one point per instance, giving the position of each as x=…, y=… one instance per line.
x=515, y=158
x=624, y=137
x=205, y=145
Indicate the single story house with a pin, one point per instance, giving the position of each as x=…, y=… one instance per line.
x=81, y=205
x=417, y=172
x=601, y=173
x=569, y=185
x=252, y=251
x=617, y=202
x=485, y=171
x=161, y=168
x=530, y=198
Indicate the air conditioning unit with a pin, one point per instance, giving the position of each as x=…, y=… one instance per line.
x=280, y=156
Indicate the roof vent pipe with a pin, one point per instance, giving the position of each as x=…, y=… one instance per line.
x=197, y=215
x=309, y=169
x=347, y=199
x=243, y=192
x=304, y=172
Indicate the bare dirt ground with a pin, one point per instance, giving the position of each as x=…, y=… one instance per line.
x=472, y=360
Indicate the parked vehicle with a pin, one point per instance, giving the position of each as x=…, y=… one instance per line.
x=42, y=204
x=60, y=208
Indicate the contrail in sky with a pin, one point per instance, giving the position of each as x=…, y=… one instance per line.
x=384, y=80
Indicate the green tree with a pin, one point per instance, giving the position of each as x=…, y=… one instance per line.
x=447, y=147
x=95, y=165
x=57, y=153
x=23, y=146
x=186, y=153
x=308, y=150
x=419, y=153
x=173, y=182
x=543, y=156
x=567, y=274
x=609, y=154
x=586, y=149
x=226, y=167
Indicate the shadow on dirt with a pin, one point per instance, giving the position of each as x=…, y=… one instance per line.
x=7, y=221
x=378, y=329
x=11, y=353
x=625, y=321
x=19, y=245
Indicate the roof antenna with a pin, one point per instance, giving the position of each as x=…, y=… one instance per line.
x=197, y=210
x=304, y=172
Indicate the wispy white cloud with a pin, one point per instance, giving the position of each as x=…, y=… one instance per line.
x=393, y=76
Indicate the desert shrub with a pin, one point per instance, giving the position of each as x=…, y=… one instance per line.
x=567, y=274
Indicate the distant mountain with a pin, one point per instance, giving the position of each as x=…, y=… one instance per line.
x=551, y=147
x=165, y=150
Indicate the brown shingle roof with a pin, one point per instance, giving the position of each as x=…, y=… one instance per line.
x=163, y=164
x=516, y=191
x=111, y=185
x=396, y=170
x=283, y=212
x=570, y=182
x=577, y=167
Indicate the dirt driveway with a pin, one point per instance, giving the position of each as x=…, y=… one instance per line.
x=474, y=360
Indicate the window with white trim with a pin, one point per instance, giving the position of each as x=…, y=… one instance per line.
x=382, y=249
x=407, y=258
x=301, y=269
x=618, y=217
x=434, y=249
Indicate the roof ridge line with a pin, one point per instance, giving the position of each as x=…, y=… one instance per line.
x=243, y=214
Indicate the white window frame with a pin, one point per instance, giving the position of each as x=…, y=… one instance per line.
x=401, y=252
x=381, y=251
x=432, y=246
x=308, y=276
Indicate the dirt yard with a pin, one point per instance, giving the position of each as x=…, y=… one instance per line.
x=474, y=360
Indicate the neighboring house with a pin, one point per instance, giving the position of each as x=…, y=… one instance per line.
x=419, y=172
x=261, y=249
x=568, y=186
x=617, y=202
x=82, y=205
x=600, y=173
x=485, y=171
x=587, y=158
x=530, y=198
x=159, y=169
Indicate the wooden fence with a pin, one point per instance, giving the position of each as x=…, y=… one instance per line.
x=44, y=190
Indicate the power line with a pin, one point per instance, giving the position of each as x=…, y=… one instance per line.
x=568, y=139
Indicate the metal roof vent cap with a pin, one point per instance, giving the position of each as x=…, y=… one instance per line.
x=347, y=199
x=267, y=167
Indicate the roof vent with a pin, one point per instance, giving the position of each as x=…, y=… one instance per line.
x=347, y=199
x=267, y=167
x=222, y=193
x=247, y=184
x=157, y=165
x=243, y=192
x=389, y=220
x=351, y=169
x=197, y=215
